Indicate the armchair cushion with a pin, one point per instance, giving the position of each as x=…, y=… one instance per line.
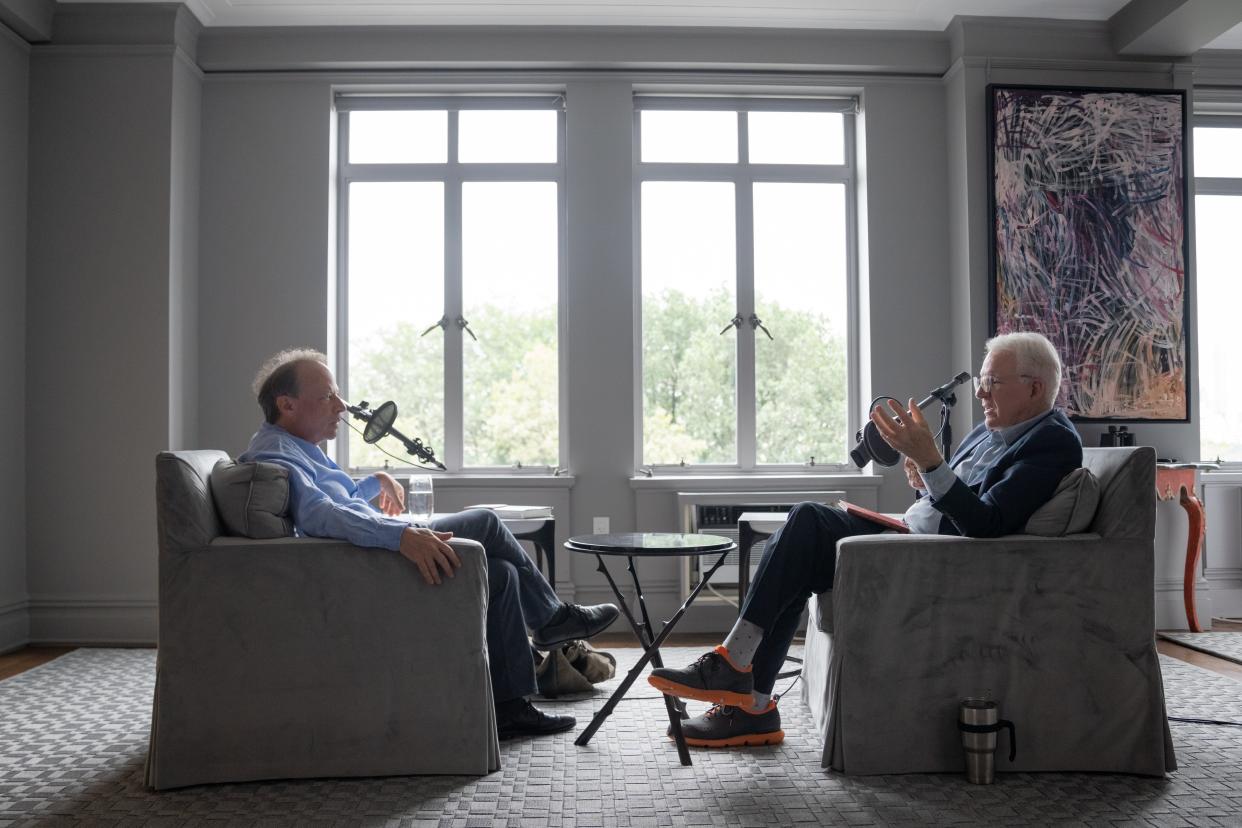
x=1071, y=508
x=252, y=499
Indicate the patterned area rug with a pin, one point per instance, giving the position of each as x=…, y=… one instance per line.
x=1227, y=645
x=73, y=739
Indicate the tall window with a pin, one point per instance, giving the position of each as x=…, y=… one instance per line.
x=452, y=210
x=746, y=269
x=1218, y=215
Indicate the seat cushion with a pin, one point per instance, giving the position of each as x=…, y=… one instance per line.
x=1071, y=508
x=252, y=499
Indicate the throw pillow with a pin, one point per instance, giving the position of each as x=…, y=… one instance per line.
x=1071, y=508
x=252, y=499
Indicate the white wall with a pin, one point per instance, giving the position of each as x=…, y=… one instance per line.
x=14, y=77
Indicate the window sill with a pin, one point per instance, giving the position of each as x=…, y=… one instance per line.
x=755, y=482
x=502, y=481
x=1224, y=477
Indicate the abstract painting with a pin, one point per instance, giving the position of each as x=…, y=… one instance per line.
x=1088, y=242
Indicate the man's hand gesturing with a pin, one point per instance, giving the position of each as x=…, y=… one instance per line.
x=391, y=496
x=907, y=432
x=428, y=551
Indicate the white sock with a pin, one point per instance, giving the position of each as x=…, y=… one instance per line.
x=742, y=641
x=759, y=701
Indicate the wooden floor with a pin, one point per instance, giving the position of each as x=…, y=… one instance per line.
x=22, y=660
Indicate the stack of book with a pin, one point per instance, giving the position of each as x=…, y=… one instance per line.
x=507, y=511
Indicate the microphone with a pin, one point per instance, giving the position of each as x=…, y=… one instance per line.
x=380, y=424
x=945, y=390
x=873, y=447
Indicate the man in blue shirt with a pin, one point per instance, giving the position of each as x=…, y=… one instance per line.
x=302, y=407
x=1005, y=469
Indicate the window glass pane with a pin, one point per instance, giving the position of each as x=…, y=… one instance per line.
x=689, y=294
x=418, y=137
x=801, y=390
x=1218, y=152
x=1217, y=219
x=702, y=137
x=508, y=136
x=796, y=137
x=509, y=297
x=396, y=289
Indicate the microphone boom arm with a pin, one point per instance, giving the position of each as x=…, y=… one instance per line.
x=413, y=446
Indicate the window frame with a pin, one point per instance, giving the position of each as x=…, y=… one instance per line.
x=453, y=174
x=743, y=175
x=1214, y=186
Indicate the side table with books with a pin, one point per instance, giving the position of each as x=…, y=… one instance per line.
x=530, y=523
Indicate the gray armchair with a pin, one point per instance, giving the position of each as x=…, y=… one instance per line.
x=302, y=657
x=1059, y=630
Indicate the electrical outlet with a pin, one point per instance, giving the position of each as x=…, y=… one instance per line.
x=599, y=526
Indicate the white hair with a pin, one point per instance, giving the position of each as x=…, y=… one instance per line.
x=1036, y=357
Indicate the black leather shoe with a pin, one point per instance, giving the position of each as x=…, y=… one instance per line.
x=521, y=718
x=575, y=622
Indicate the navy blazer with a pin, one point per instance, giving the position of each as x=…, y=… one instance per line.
x=1018, y=483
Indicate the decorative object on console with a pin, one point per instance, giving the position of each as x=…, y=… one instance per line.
x=1088, y=241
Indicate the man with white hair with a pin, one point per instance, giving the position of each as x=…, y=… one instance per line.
x=303, y=407
x=1004, y=470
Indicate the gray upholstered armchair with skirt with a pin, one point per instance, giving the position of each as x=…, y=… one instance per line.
x=1058, y=630
x=301, y=657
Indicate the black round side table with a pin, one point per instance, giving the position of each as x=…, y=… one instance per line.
x=631, y=545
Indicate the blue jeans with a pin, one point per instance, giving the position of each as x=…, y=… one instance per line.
x=799, y=559
x=519, y=597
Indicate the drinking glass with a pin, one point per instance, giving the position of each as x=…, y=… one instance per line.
x=420, y=499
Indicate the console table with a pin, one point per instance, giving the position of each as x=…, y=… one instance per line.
x=1180, y=481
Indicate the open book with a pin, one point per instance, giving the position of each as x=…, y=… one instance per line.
x=892, y=524
x=504, y=510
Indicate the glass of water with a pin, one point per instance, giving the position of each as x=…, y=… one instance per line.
x=420, y=499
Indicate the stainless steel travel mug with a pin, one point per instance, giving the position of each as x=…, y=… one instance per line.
x=979, y=720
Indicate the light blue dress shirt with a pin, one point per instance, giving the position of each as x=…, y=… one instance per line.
x=324, y=501
x=924, y=518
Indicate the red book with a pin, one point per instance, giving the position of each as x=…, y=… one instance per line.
x=875, y=517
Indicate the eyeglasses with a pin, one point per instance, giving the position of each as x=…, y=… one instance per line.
x=986, y=382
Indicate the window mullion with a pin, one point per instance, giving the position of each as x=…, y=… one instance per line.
x=744, y=218
x=342, y=285
x=454, y=444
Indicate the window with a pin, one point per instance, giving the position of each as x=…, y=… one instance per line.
x=1218, y=215
x=451, y=227
x=747, y=272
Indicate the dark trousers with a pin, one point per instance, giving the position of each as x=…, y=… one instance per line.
x=519, y=597
x=799, y=559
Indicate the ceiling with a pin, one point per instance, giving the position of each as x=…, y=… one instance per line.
x=916, y=15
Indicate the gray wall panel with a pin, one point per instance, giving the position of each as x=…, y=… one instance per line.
x=264, y=260
x=97, y=368
x=14, y=80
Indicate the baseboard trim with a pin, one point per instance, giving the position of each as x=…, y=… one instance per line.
x=93, y=620
x=14, y=625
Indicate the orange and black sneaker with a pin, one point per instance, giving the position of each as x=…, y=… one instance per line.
x=712, y=678
x=727, y=726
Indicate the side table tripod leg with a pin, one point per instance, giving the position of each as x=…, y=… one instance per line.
x=635, y=671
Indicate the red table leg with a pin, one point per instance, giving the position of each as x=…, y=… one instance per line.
x=1194, y=543
x=1182, y=481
